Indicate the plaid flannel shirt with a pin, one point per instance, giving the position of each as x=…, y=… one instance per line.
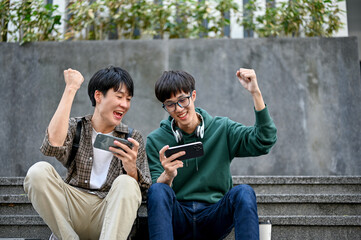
x=79, y=170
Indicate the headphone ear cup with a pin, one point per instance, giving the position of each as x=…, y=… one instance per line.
x=198, y=131
x=200, y=128
x=178, y=136
x=177, y=133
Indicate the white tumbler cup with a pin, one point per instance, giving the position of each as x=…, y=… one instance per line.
x=265, y=229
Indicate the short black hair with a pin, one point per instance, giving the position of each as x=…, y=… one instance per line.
x=172, y=82
x=107, y=78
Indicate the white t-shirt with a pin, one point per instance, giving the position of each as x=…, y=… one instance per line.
x=101, y=163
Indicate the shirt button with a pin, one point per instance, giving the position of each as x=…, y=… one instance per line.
x=90, y=158
x=86, y=181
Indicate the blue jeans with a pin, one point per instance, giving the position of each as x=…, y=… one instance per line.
x=172, y=219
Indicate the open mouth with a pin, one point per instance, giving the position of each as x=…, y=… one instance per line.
x=118, y=114
x=182, y=116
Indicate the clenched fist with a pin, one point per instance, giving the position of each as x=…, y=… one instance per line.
x=248, y=79
x=73, y=78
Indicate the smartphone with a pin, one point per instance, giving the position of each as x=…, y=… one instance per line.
x=192, y=150
x=103, y=141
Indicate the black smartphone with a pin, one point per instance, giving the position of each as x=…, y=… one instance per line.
x=192, y=150
x=103, y=141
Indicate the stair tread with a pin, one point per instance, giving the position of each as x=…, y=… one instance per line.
x=315, y=220
x=268, y=180
x=261, y=198
x=308, y=198
x=275, y=220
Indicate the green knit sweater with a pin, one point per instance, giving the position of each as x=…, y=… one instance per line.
x=208, y=178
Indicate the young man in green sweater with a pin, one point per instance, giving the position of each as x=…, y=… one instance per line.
x=194, y=198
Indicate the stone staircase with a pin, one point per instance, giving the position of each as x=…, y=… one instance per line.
x=299, y=208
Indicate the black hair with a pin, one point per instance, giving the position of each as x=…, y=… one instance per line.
x=107, y=78
x=172, y=82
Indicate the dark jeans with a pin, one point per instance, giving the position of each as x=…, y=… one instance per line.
x=172, y=219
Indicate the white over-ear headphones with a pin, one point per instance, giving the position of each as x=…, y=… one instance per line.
x=178, y=134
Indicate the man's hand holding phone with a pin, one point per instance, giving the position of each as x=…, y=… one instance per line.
x=170, y=165
x=124, y=149
x=127, y=155
x=171, y=157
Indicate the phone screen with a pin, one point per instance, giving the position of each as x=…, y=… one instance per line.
x=192, y=150
x=103, y=141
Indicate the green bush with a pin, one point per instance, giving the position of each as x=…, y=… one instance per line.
x=133, y=19
x=33, y=21
x=295, y=18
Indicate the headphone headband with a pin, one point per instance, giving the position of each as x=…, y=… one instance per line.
x=178, y=135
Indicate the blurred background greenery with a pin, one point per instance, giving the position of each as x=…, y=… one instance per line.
x=27, y=21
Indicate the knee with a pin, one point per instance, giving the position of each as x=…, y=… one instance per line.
x=36, y=176
x=37, y=172
x=128, y=185
x=124, y=180
x=244, y=194
x=159, y=191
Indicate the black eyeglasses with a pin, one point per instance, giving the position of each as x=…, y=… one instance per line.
x=182, y=103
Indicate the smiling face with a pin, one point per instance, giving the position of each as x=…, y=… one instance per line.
x=185, y=118
x=110, y=108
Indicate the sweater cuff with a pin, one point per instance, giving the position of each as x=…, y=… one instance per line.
x=262, y=117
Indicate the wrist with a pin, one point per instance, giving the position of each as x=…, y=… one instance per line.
x=165, y=178
x=133, y=174
x=256, y=93
x=71, y=89
x=258, y=100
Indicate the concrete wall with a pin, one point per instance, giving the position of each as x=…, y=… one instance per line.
x=311, y=85
x=353, y=21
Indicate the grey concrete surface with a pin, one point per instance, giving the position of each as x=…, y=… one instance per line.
x=311, y=86
x=294, y=215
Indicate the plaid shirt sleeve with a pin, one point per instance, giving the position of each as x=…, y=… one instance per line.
x=142, y=163
x=61, y=153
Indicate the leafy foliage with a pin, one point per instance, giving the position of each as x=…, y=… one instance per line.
x=295, y=18
x=134, y=19
x=32, y=20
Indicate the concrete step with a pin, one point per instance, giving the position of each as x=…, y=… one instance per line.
x=299, y=208
x=261, y=198
x=301, y=184
x=278, y=233
x=301, y=220
x=19, y=238
x=11, y=185
x=25, y=231
x=268, y=204
x=261, y=184
x=283, y=227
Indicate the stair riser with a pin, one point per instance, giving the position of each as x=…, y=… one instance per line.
x=5, y=190
x=17, y=209
x=312, y=209
x=258, y=188
x=301, y=220
x=261, y=198
x=278, y=232
x=306, y=189
x=36, y=232
x=305, y=232
x=316, y=232
x=270, y=209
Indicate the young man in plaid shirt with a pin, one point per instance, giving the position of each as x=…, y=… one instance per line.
x=103, y=190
